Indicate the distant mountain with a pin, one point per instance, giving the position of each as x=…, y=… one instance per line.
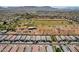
x=38, y=9
x=29, y=8
x=2, y=8
x=68, y=8
x=72, y=8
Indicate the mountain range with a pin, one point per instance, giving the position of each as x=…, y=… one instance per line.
x=38, y=8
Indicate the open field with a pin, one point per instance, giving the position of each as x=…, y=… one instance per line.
x=42, y=27
x=48, y=22
x=46, y=27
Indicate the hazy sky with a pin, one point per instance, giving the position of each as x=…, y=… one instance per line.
x=39, y=2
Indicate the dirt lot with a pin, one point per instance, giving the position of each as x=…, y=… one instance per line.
x=48, y=27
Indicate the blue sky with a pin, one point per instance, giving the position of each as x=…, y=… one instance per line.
x=39, y=2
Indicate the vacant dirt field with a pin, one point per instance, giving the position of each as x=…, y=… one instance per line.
x=47, y=27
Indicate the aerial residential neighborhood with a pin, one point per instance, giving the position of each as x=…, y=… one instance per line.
x=39, y=29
